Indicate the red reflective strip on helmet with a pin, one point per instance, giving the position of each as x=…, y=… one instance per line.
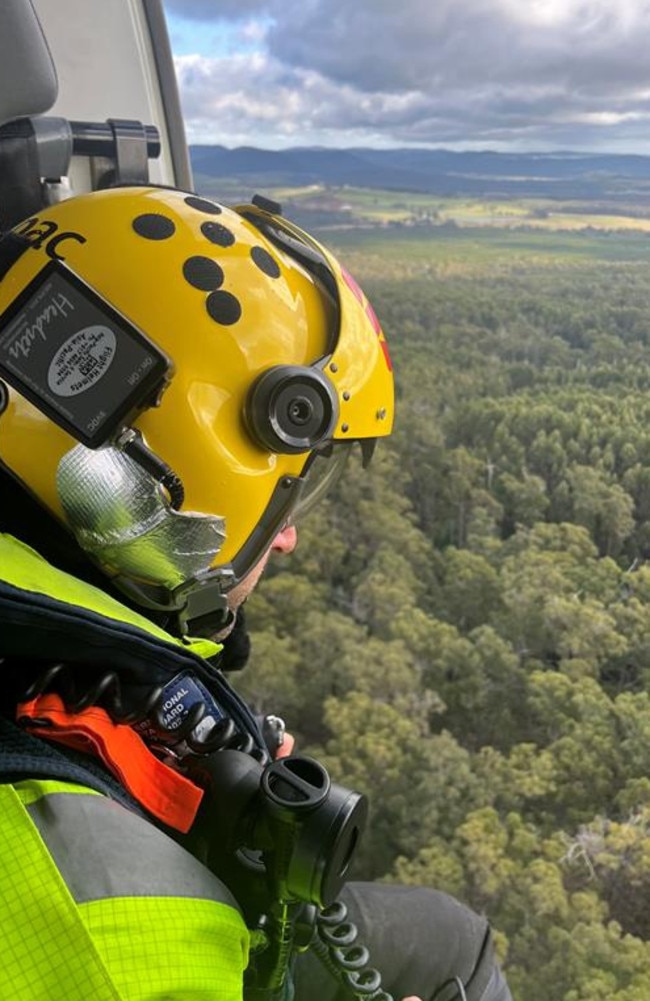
x=384, y=348
x=165, y=793
x=350, y=282
x=372, y=316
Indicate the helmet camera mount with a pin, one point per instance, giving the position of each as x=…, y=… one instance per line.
x=77, y=359
x=84, y=365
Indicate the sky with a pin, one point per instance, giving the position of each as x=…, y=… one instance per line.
x=508, y=75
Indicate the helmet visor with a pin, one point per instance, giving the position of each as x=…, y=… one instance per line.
x=323, y=470
x=292, y=498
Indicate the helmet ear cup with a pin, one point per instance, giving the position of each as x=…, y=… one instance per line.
x=291, y=409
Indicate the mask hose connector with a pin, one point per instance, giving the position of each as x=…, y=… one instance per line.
x=131, y=442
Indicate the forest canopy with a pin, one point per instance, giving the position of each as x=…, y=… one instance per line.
x=464, y=630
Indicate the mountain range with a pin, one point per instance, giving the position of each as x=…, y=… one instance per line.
x=562, y=175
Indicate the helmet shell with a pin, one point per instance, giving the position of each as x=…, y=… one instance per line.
x=225, y=304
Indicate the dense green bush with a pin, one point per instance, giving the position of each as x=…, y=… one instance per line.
x=464, y=630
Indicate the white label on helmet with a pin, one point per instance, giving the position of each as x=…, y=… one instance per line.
x=82, y=360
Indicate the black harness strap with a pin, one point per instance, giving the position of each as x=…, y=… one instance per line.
x=20, y=182
x=12, y=246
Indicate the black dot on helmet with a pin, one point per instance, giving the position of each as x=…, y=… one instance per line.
x=216, y=233
x=153, y=226
x=203, y=205
x=203, y=273
x=223, y=307
x=265, y=262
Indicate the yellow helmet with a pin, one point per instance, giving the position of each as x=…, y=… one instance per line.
x=177, y=372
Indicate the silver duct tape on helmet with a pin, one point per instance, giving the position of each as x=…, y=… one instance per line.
x=122, y=518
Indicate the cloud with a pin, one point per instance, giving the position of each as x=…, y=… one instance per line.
x=540, y=71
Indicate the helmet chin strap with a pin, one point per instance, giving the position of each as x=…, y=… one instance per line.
x=205, y=612
x=197, y=608
x=212, y=624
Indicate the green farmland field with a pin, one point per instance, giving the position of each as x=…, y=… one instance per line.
x=416, y=234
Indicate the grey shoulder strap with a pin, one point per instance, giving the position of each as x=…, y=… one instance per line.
x=103, y=850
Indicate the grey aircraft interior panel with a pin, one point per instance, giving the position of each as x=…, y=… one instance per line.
x=23, y=44
x=113, y=60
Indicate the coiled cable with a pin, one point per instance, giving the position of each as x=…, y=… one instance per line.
x=106, y=690
x=336, y=945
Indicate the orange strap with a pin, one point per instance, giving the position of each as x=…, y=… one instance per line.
x=162, y=791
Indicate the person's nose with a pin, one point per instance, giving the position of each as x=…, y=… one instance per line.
x=285, y=541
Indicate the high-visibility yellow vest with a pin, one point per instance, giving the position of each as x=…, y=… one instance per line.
x=97, y=903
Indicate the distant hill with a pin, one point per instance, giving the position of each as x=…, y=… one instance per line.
x=436, y=171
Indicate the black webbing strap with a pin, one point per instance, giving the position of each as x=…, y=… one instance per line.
x=20, y=182
x=12, y=246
